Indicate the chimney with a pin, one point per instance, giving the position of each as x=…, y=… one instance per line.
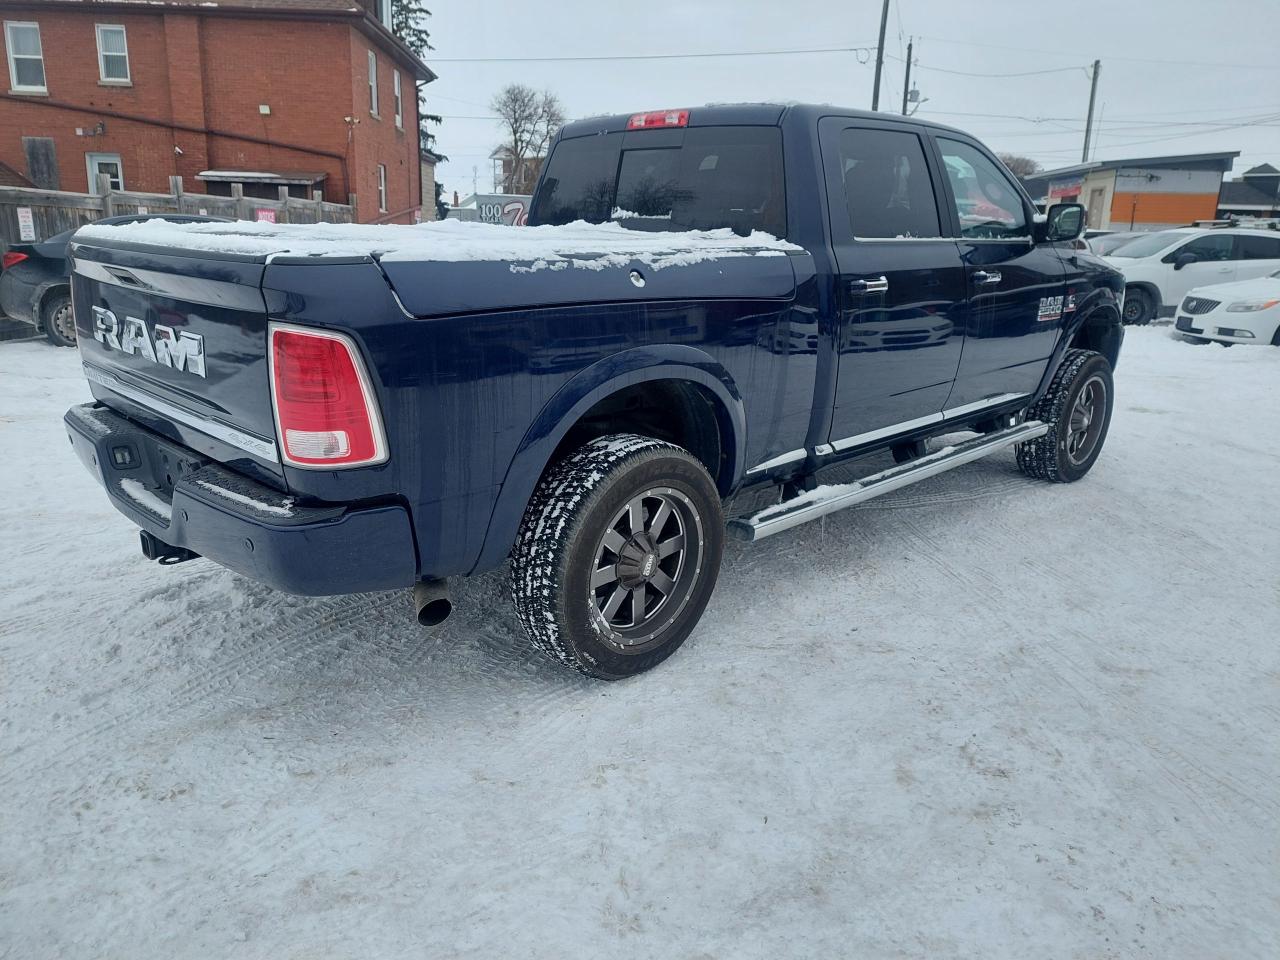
x=455, y=198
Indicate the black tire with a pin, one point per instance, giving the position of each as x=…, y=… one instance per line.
x=1078, y=422
x=584, y=504
x=1139, y=307
x=1275, y=338
x=59, y=324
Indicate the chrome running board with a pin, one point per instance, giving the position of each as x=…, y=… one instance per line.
x=828, y=499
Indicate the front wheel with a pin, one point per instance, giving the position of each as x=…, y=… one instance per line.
x=617, y=555
x=1077, y=407
x=1139, y=307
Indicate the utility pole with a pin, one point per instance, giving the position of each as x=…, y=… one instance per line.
x=875, y=91
x=1088, y=124
x=906, y=81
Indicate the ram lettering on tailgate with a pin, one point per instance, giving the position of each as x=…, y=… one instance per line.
x=181, y=351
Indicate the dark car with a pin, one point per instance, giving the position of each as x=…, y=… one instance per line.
x=35, y=279
x=705, y=301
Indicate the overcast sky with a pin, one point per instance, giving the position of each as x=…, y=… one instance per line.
x=1174, y=74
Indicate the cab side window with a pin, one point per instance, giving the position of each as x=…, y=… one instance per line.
x=1207, y=249
x=988, y=206
x=887, y=189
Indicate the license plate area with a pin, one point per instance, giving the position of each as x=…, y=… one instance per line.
x=154, y=462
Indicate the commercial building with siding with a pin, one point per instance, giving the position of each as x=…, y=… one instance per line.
x=1146, y=193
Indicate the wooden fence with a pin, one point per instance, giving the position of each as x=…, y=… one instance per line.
x=53, y=211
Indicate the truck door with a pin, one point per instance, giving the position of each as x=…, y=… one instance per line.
x=1017, y=295
x=899, y=280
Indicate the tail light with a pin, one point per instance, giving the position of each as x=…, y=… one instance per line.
x=11, y=259
x=658, y=118
x=326, y=413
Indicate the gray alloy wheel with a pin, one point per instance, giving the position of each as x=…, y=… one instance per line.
x=1085, y=424
x=59, y=321
x=617, y=555
x=645, y=563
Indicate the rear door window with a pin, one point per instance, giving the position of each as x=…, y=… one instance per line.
x=1257, y=248
x=887, y=188
x=708, y=178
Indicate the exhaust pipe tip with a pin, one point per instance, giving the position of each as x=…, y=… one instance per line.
x=432, y=603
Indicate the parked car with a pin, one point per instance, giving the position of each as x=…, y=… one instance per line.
x=1108, y=243
x=35, y=279
x=397, y=406
x=1161, y=268
x=1247, y=311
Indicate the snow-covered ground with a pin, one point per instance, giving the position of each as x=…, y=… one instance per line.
x=984, y=717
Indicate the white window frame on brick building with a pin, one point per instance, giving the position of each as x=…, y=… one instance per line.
x=12, y=28
x=113, y=57
x=395, y=76
x=382, y=188
x=384, y=13
x=92, y=161
x=373, y=83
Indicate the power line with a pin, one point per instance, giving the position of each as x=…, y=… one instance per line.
x=1023, y=73
x=660, y=56
x=1174, y=63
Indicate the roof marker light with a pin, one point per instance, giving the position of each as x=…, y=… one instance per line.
x=658, y=118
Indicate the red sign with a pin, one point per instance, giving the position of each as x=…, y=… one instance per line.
x=264, y=215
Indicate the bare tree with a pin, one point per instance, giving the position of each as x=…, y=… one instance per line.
x=1019, y=166
x=530, y=120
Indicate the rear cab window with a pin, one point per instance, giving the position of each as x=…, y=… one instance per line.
x=695, y=178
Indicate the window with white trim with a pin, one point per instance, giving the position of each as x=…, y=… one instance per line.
x=384, y=13
x=382, y=188
x=395, y=76
x=373, y=84
x=113, y=53
x=26, y=57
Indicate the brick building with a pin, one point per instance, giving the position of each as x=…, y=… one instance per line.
x=315, y=95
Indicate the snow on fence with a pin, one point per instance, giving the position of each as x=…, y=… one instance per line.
x=28, y=215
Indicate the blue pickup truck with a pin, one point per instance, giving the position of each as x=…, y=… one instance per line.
x=705, y=300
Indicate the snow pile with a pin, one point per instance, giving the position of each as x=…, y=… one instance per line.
x=580, y=244
x=980, y=717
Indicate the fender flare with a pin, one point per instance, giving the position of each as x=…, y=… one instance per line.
x=1099, y=308
x=587, y=388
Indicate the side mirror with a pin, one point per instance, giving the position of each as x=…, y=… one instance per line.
x=1182, y=259
x=1065, y=221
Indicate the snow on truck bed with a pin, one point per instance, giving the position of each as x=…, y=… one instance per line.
x=580, y=244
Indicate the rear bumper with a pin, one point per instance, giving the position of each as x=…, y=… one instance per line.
x=190, y=502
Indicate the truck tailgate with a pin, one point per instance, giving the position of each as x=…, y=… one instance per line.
x=179, y=344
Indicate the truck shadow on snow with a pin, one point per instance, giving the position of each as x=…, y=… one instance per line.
x=365, y=651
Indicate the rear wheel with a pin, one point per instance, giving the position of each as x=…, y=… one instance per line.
x=1077, y=408
x=617, y=555
x=1139, y=306
x=59, y=323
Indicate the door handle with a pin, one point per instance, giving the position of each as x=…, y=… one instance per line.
x=986, y=276
x=873, y=285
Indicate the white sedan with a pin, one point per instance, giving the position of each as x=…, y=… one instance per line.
x=1243, y=312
